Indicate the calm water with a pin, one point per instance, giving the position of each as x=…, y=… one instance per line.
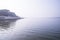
x=30, y=29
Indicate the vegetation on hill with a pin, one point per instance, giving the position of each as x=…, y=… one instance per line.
x=5, y=12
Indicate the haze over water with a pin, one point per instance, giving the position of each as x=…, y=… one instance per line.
x=30, y=29
x=42, y=20
x=32, y=8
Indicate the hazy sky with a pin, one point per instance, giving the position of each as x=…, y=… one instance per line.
x=32, y=8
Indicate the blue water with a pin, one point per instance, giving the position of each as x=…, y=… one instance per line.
x=30, y=29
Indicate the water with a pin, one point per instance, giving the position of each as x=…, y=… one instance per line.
x=30, y=29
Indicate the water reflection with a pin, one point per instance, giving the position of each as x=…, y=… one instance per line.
x=6, y=24
x=31, y=29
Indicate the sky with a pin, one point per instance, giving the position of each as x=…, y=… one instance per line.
x=32, y=8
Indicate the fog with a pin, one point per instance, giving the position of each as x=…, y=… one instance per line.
x=32, y=8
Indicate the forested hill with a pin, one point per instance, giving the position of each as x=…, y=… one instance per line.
x=5, y=12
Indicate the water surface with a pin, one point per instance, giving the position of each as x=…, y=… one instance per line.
x=30, y=29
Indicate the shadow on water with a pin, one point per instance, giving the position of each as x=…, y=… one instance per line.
x=6, y=24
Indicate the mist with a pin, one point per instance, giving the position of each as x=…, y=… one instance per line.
x=32, y=8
